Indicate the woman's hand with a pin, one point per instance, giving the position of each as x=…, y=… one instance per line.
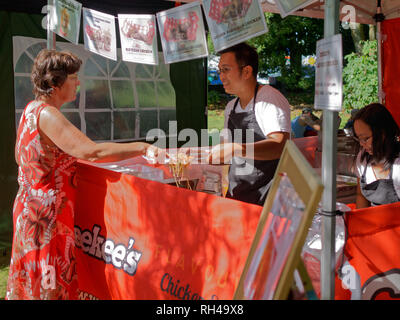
x=155, y=154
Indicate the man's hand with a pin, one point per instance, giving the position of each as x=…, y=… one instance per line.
x=223, y=153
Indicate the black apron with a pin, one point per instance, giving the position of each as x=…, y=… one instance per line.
x=251, y=187
x=380, y=191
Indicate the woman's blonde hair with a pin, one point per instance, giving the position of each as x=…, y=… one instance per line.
x=50, y=69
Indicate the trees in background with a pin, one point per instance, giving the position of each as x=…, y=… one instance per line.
x=292, y=36
x=360, y=76
x=296, y=36
x=360, y=71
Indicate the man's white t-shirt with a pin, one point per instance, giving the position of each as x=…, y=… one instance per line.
x=370, y=175
x=272, y=110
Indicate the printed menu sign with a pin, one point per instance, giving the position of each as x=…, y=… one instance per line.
x=233, y=21
x=182, y=33
x=328, y=74
x=65, y=19
x=286, y=7
x=138, y=38
x=99, y=33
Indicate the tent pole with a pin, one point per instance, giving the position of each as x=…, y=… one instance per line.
x=329, y=160
x=51, y=36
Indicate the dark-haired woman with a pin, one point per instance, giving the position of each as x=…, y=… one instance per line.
x=378, y=162
x=47, y=148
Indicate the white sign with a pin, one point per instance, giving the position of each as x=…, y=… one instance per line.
x=182, y=33
x=328, y=74
x=138, y=38
x=99, y=33
x=286, y=7
x=65, y=19
x=233, y=21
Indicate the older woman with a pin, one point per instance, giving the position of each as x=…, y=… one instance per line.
x=378, y=162
x=47, y=147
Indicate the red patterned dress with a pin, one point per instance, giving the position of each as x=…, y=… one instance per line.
x=43, y=259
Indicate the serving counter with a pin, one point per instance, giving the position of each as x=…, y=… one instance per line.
x=143, y=239
x=138, y=236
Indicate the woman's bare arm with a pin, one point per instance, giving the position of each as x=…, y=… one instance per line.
x=54, y=126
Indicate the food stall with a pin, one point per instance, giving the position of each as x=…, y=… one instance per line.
x=211, y=235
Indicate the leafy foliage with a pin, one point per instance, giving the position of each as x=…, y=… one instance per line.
x=360, y=77
x=217, y=100
x=294, y=36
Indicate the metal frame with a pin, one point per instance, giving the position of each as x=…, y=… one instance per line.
x=51, y=36
x=328, y=170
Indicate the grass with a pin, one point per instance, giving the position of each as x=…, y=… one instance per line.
x=4, y=267
x=216, y=117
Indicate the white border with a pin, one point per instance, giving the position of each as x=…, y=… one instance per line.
x=221, y=45
x=184, y=57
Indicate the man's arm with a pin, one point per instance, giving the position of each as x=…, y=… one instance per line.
x=268, y=149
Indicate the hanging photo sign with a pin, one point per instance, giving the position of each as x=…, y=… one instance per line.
x=182, y=33
x=65, y=19
x=99, y=33
x=287, y=7
x=234, y=21
x=328, y=74
x=138, y=38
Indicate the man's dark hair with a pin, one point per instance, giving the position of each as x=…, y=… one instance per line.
x=245, y=55
x=385, y=133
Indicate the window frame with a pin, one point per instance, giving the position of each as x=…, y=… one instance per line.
x=23, y=44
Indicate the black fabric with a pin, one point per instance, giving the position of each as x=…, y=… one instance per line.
x=11, y=24
x=8, y=168
x=107, y=6
x=250, y=187
x=380, y=191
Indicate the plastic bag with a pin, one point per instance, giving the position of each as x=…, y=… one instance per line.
x=312, y=249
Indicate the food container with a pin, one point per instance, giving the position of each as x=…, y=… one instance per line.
x=138, y=170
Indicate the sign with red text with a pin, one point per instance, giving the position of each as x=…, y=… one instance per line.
x=182, y=33
x=99, y=33
x=233, y=21
x=138, y=38
x=287, y=7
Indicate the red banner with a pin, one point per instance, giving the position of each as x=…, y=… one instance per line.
x=391, y=66
x=307, y=146
x=372, y=249
x=141, y=239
